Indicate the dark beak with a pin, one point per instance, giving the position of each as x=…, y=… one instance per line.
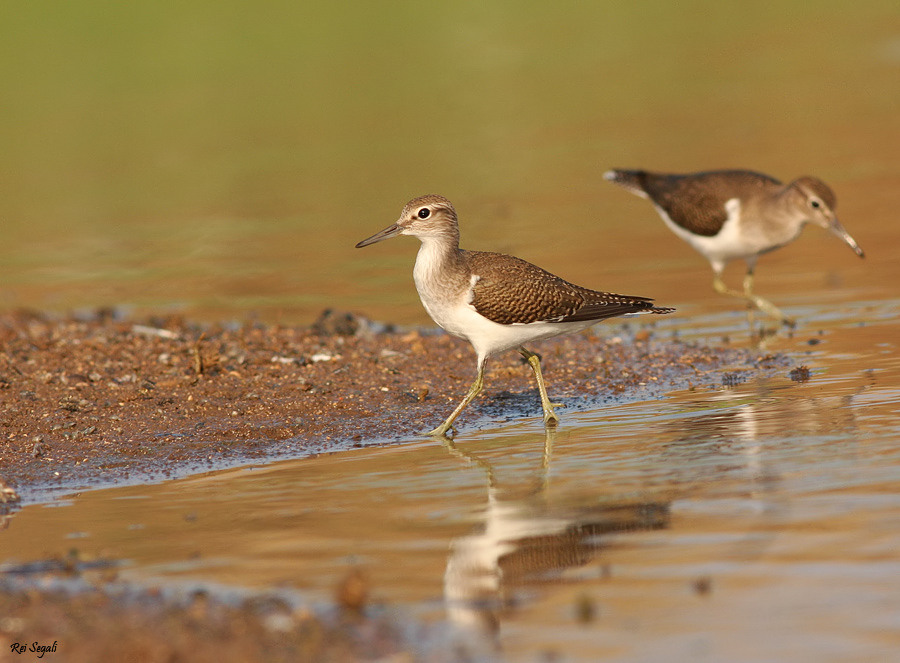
x=838, y=230
x=391, y=231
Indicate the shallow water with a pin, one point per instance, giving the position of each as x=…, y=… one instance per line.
x=745, y=523
x=155, y=160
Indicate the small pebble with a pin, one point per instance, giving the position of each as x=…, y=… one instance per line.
x=586, y=609
x=703, y=586
x=799, y=374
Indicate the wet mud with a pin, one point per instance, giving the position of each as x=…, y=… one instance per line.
x=88, y=402
x=77, y=618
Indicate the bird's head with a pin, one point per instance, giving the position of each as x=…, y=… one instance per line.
x=816, y=201
x=422, y=217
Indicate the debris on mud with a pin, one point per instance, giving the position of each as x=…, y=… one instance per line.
x=99, y=399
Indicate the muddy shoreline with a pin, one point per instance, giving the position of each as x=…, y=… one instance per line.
x=99, y=400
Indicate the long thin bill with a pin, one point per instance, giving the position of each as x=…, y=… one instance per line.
x=391, y=231
x=837, y=229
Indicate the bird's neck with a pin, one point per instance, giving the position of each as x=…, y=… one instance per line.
x=438, y=263
x=437, y=253
x=784, y=222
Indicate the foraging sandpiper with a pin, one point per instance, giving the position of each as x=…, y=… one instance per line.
x=730, y=214
x=494, y=301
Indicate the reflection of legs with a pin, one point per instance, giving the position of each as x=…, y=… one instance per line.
x=543, y=479
x=759, y=302
x=535, y=363
x=469, y=457
x=549, y=439
x=474, y=390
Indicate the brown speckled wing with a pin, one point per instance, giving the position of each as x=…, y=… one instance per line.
x=696, y=202
x=510, y=290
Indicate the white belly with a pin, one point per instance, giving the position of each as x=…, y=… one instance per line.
x=488, y=337
x=728, y=244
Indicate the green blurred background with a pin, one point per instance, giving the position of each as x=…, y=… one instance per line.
x=222, y=158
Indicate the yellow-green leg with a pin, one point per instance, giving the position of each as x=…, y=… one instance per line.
x=474, y=390
x=763, y=304
x=721, y=288
x=535, y=362
x=759, y=302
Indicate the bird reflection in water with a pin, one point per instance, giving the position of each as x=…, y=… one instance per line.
x=524, y=540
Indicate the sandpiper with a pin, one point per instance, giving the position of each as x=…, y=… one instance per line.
x=730, y=214
x=494, y=301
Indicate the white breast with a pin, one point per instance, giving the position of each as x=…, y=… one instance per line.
x=435, y=288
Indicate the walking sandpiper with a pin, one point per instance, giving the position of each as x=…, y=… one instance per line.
x=731, y=214
x=496, y=302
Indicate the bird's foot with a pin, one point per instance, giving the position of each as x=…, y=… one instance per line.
x=773, y=311
x=550, y=417
x=441, y=431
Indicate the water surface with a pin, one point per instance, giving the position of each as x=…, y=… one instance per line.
x=744, y=523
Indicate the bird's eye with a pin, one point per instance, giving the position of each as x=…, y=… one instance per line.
x=424, y=213
x=815, y=204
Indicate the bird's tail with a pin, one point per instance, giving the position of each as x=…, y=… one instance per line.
x=632, y=180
